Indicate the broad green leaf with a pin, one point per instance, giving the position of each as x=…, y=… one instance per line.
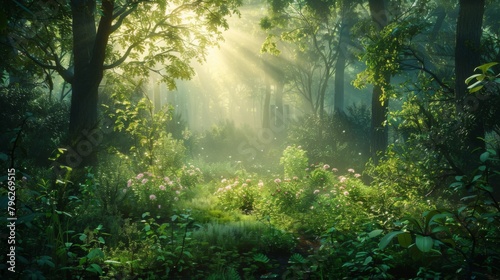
x=367, y=260
x=405, y=239
x=95, y=253
x=440, y=228
x=374, y=233
x=424, y=243
x=95, y=268
x=484, y=156
x=83, y=237
x=388, y=238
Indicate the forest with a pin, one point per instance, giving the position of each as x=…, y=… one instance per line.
x=250, y=139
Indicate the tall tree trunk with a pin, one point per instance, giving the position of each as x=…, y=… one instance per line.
x=344, y=40
x=89, y=46
x=467, y=57
x=379, y=131
x=338, y=97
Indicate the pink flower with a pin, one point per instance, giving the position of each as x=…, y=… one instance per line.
x=177, y=192
x=144, y=181
x=228, y=187
x=342, y=179
x=295, y=178
x=176, y=198
x=346, y=193
x=244, y=185
x=129, y=183
x=277, y=180
x=335, y=169
x=260, y=184
x=166, y=179
x=152, y=197
x=357, y=175
x=162, y=187
x=316, y=192
x=350, y=170
x=326, y=166
x=139, y=176
x=249, y=180
x=223, y=181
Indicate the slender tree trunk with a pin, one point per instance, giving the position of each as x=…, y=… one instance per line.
x=278, y=101
x=267, y=106
x=467, y=57
x=379, y=131
x=338, y=97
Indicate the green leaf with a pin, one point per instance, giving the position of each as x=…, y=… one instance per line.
x=95, y=268
x=261, y=258
x=424, y=243
x=484, y=68
x=484, y=156
x=388, y=238
x=477, y=177
x=112, y=262
x=475, y=87
x=440, y=228
x=367, y=260
x=297, y=258
x=467, y=81
x=374, y=233
x=95, y=253
x=405, y=239
x=83, y=237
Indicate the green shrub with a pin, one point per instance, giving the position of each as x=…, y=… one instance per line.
x=294, y=161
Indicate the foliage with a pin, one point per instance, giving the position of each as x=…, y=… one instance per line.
x=341, y=142
x=146, y=127
x=465, y=234
x=233, y=195
x=294, y=161
x=319, y=200
x=153, y=193
x=44, y=120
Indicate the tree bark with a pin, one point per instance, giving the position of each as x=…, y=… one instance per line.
x=344, y=40
x=378, y=131
x=467, y=57
x=89, y=51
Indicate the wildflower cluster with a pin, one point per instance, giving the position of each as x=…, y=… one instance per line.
x=236, y=194
x=154, y=193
